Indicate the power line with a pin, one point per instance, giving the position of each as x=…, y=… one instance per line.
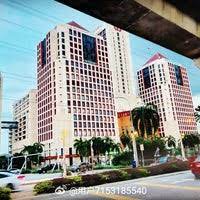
x=21, y=7
x=17, y=50
x=19, y=25
x=19, y=79
x=17, y=46
x=18, y=75
x=36, y=10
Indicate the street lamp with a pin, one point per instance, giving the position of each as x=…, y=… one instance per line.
x=182, y=147
x=63, y=137
x=135, y=155
x=92, y=153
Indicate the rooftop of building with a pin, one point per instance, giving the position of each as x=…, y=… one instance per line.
x=155, y=57
x=75, y=24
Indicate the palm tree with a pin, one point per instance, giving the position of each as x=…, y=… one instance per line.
x=145, y=120
x=33, y=149
x=82, y=147
x=110, y=145
x=98, y=146
x=36, y=148
x=171, y=141
x=126, y=140
x=190, y=140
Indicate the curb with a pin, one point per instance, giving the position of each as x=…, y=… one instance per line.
x=38, y=181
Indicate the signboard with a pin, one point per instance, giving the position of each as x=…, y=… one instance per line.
x=123, y=114
x=141, y=147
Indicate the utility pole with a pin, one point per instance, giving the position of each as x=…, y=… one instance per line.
x=92, y=153
x=182, y=147
x=63, y=137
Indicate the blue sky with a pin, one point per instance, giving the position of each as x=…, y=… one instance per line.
x=23, y=23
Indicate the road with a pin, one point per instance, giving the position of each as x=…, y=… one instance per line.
x=173, y=186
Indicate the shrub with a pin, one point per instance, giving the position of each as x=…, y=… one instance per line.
x=144, y=172
x=113, y=176
x=173, y=165
x=168, y=167
x=44, y=187
x=76, y=180
x=94, y=179
x=110, y=176
x=123, y=175
x=103, y=178
x=5, y=193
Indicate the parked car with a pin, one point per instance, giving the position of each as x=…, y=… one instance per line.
x=195, y=167
x=73, y=168
x=87, y=165
x=15, y=171
x=10, y=180
x=49, y=167
x=82, y=167
x=162, y=160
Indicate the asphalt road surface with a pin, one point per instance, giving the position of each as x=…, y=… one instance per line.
x=175, y=186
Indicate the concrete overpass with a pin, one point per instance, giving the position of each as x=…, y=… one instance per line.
x=173, y=24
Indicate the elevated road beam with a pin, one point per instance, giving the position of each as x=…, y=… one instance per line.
x=165, y=22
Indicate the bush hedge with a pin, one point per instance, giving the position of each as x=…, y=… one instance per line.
x=44, y=187
x=5, y=193
x=110, y=176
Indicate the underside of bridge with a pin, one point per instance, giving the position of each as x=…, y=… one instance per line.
x=169, y=23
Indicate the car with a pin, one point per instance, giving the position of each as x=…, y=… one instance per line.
x=86, y=165
x=73, y=168
x=15, y=171
x=81, y=167
x=11, y=180
x=162, y=160
x=49, y=167
x=195, y=167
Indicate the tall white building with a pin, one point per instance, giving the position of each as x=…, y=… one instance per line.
x=25, y=113
x=121, y=66
x=166, y=85
x=75, y=89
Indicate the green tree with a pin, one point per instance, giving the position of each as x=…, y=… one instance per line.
x=102, y=145
x=36, y=148
x=82, y=147
x=170, y=141
x=126, y=140
x=3, y=162
x=197, y=114
x=110, y=145
x=145, y=120
x=98, y=146
x=190, y=140
x=150, y=146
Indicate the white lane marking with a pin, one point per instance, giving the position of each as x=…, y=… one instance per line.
x=184, y=180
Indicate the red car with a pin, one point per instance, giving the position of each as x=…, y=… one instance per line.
x=195, y=167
